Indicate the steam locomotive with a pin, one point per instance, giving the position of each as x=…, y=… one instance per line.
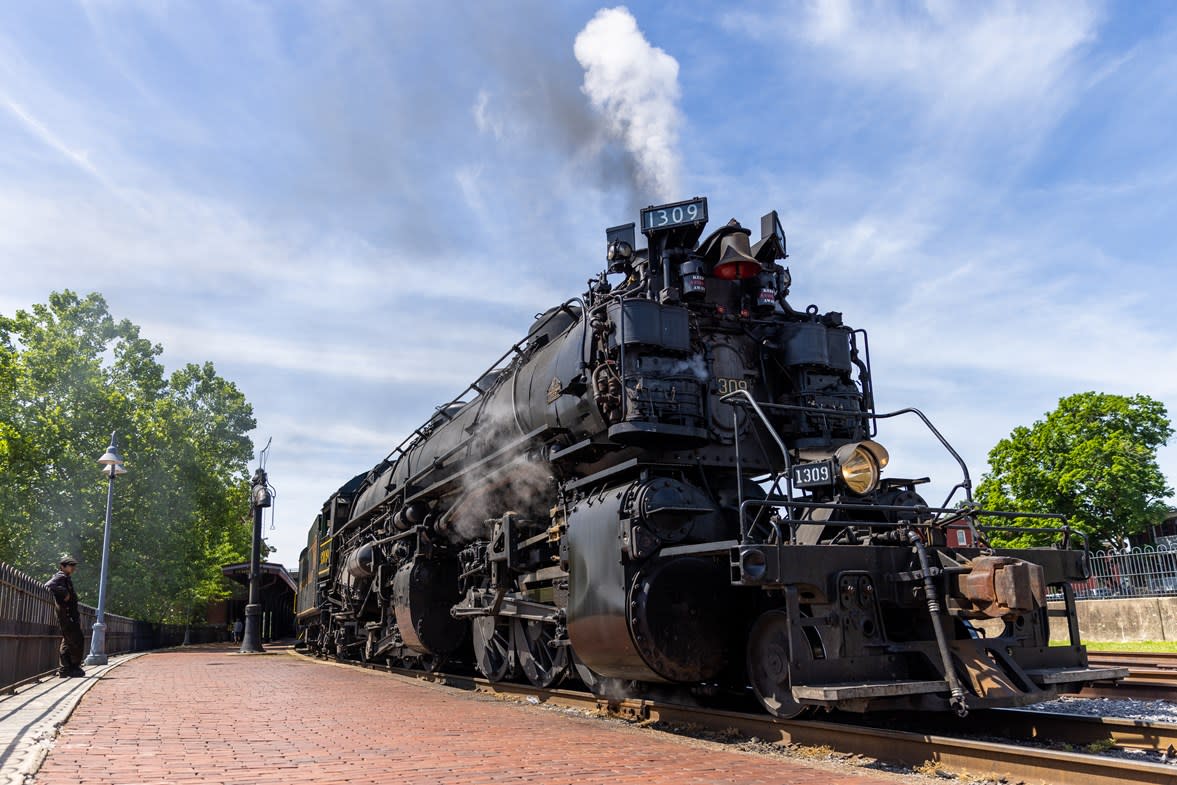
x=675, y=480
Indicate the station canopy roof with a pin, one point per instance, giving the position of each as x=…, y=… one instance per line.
x=271, y=573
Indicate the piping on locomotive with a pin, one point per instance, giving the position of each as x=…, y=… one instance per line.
x=676, y=479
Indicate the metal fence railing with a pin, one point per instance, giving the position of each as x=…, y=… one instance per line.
x=29, y=635
x=28, y=627
x=1143, y=571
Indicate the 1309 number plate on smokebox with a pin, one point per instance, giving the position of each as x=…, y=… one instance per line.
x=812, y=475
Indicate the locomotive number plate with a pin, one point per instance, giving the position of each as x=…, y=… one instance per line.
x=669, y=215
x=812, y=475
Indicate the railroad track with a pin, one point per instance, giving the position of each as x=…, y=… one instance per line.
x=1076, y=731
x=1151, y=676
x=1137, y=659
x=1037, y=762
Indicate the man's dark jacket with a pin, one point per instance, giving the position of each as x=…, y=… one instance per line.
x=62, y=588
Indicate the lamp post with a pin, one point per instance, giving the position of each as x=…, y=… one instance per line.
x=112, y=466
x=251, y=641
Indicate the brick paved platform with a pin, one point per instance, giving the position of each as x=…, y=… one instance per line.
x=208, y=715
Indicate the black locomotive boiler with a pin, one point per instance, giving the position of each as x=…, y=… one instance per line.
x=676, y=479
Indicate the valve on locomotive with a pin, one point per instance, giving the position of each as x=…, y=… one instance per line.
x=361, y=562
x=409, y=516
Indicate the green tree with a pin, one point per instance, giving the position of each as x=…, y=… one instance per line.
x=69, y=375
x=1093, y=459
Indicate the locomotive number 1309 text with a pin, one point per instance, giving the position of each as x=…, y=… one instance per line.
x=809, y=475
x=728, y=385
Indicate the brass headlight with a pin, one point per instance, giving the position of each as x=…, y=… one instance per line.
x=861, y=465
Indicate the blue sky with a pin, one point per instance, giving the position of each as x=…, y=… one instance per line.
x=353, y=208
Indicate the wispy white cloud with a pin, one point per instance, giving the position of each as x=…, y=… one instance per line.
x=332, y=434
x=966, y=70
x=79, y=157
x=177, y=242
x=485, y=118
x=960, y=57
x=419, y=358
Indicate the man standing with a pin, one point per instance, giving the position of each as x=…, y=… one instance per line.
x=61, y=586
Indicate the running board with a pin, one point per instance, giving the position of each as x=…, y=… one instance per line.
x=848, y=691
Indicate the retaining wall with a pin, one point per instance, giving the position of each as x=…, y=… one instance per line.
x=1121, y=619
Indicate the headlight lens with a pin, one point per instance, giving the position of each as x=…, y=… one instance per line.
x=860, y=472
x=861, y=465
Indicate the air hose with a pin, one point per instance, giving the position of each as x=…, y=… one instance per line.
x=957, y=701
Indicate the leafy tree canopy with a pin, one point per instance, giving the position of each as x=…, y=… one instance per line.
x=1093, y=459
x=69, y=375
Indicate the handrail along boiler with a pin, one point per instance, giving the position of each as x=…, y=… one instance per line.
x=676, y=479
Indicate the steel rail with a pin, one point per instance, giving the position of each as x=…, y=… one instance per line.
x=1151, y=676
x=1142, y=659
x=977, y=758
x=1078, y=730
x=964, y=755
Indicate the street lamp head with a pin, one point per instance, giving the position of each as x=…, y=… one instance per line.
x=261, y=496
x=114, y=470
x=111, y=457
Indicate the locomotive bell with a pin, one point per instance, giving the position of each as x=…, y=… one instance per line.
x=736, y=261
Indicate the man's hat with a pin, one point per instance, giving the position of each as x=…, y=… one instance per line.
x=67, y=559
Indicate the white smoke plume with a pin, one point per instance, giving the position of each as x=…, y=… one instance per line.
x=634, y=86
x=523, y=485
x=696, y=366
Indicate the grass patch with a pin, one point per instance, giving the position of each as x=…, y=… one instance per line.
x=813, y=753
x=934, y=768
x=1150, y=646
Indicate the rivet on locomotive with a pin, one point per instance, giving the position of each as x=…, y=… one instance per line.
x=676, y=479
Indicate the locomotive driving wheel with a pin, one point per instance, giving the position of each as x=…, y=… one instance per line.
x=494, y=649
x=768, y=664
x=543, y=664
